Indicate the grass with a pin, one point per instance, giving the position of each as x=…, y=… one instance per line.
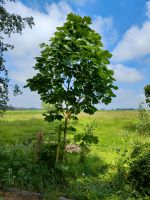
x=94, y=180
x=21, y=126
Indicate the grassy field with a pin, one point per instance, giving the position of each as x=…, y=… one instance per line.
x=116, y=131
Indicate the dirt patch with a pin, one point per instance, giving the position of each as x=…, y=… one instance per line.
x=15, y=194
x=11, y=196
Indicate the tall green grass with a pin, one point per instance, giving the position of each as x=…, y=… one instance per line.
x=96, y=179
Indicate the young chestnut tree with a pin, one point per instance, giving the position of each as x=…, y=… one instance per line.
x=72, y=72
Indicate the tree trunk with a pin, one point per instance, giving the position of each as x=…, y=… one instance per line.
x=58, y=147
x=65, y=136
x=65, y=131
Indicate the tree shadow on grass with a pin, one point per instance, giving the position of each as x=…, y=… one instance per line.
x=101, y=187
x=91, y=167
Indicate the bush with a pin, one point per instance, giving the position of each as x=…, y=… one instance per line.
x=19, y=169
x=85, y=140
x=139, y=171
x=143, y=125
x=47, y=155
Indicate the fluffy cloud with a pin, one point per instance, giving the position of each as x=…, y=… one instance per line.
x=135, y=42
x=126, y=74
x=129, y=97
x=27, y=100
x=105, y=27
x=125, y=98
x=80, y=2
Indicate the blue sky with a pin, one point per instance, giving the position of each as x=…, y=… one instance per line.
x=125, y=29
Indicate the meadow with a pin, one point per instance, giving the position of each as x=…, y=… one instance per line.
x=100, y=177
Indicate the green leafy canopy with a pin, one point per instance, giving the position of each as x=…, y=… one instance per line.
x=72, y=69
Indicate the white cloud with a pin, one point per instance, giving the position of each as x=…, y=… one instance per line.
x=105, y=27
x=125, y=74
x=80, y=2
x=141, y=98
x=125, y=98
x=26, y=100
x=134, y=44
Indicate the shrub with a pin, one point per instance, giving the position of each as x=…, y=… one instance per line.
x=18, y=169
x=143, y=125
x=85, y=140
x=139, y=173
x=47, y=155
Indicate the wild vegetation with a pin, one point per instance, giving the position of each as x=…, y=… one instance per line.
x=103, y=155
x=106, y=173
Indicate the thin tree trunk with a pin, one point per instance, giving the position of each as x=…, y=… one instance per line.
x=65, y=131
x=58, y=147
x=65, y=136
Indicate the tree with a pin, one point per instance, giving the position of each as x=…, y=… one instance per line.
x=72, y=72
x=9, y=24
x=147, y=94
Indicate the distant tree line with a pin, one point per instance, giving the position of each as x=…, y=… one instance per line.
x=126, y=109
x=21, y=108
